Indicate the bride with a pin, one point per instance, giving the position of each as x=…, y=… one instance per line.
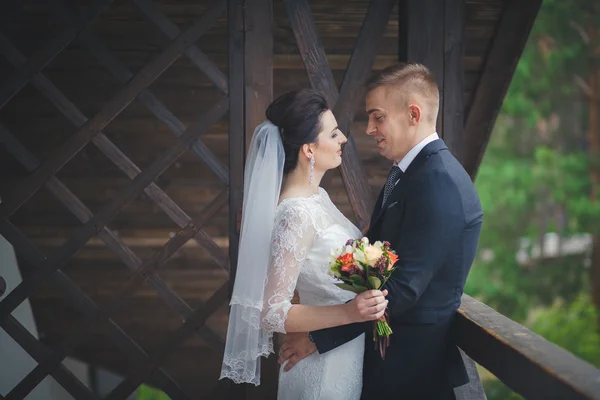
x=288, y=229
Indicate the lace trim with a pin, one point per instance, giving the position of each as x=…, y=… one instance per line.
x=234, y=368
x=236, y=300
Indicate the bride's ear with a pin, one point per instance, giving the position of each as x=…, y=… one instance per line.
x=306, y=151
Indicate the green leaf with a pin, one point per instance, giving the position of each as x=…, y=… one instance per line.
x=374, y=282
x=357, y=280
x=351, y=288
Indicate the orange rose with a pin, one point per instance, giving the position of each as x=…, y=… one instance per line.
x=346, y=258
x=393, y=259
x=348, y=267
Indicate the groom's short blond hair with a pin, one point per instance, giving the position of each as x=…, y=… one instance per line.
x=407, y=81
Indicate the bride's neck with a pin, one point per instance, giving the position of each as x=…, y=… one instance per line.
x=296, y=183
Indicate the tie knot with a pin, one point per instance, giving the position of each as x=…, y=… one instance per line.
x=395, y=173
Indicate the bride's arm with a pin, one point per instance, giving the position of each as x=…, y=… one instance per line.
x=292, y=238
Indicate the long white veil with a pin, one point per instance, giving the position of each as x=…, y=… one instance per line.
x=246, y=340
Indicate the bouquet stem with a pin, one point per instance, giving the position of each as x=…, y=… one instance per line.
x=381, y=334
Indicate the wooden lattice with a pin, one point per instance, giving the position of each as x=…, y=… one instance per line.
x=148, y=367
x=48, y=267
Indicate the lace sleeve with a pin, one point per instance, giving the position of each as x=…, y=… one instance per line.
x=293, y=236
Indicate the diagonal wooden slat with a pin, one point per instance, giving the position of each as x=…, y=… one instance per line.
x=311, y=49
x=38, y=351
x=195, y=55
x=499, y=66
x=130, y=259
x=361, y=62
x=141, y=275
x=122, y=73
x=109, y=111
x=94, y=225
x=114, y=154
x=141, y=373
x=131, y=350
x=321, y=78
x=44, y=56
x=351, y=93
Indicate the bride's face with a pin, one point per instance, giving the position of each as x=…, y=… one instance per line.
x=328, y=149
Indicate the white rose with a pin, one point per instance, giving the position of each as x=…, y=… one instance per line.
x=373, y=254
x=360, y=256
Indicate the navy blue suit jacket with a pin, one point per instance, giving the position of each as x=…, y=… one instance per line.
x=433, y=220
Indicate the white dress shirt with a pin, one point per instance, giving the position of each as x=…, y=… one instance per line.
x=412, y=154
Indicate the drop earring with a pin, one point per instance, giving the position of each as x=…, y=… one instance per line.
x=312, y=169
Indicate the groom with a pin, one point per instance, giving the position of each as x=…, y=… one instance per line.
x=430, y=213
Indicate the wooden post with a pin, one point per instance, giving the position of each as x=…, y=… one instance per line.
x=258, y=62
x=237, y=148
x=431, y=33
x=258, y=84
x=499, y=66
x=421, y=39
x=452, y=107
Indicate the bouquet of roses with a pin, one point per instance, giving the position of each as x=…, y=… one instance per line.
x=362, y=266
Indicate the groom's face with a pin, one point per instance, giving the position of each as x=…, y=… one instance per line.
x=388, y=123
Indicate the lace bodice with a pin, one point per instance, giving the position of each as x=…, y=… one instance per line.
x=305, y=231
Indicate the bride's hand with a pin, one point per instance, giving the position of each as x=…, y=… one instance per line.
x=368, y=306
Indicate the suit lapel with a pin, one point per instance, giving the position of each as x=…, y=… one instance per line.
x=431, y=148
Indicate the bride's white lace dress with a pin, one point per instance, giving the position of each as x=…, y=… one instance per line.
x=305, y=231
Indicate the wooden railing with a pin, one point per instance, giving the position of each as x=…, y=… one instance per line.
x=524, y=361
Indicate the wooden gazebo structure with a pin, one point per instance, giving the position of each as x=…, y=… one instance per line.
x=123, y=127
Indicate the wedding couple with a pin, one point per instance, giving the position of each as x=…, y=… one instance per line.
x=428, y=210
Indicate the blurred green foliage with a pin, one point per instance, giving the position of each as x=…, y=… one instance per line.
x=535, y=180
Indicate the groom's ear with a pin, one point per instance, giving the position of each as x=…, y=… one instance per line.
x=414, y=114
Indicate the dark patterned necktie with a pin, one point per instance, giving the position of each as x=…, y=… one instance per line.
x=395, y=174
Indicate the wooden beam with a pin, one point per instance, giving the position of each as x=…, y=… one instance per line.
x=237, y=146
x=315, y=61
x=421, y=40
x=38, y=351
x=114, y=242
x=258, y=84
x=108, y=148
x=499, y=66
x=453, y=87
x=43, y=57
x=146, y=97
x=79, y=299
x=195, y=55
x=107, y=213
x=142, y=274
x=236, y=124
x=311, y=49
x=527, y=363
x=110, y=110
x=258, y=62
x=352, y=92
x=143, y=371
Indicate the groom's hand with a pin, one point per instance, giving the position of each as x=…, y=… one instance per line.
x=295, y=347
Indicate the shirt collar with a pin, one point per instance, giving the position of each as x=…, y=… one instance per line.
x=410, y=156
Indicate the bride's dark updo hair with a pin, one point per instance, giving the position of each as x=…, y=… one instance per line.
x=297, y=114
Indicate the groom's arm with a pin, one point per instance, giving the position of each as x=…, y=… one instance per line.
x=330, y=338
x=434, y=219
